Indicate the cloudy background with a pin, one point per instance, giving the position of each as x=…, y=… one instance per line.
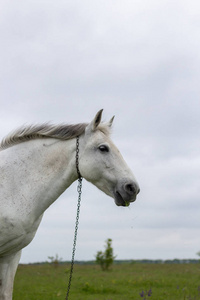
x=62, y=61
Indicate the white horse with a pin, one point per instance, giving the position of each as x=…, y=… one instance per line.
x=37, y=164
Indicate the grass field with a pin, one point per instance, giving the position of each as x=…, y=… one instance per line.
x=123, y=282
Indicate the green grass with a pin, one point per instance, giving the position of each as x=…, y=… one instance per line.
x=123, y=282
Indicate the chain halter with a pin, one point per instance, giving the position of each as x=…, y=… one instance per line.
x=77, y=216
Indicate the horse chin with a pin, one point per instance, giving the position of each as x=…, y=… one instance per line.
x=119, y=201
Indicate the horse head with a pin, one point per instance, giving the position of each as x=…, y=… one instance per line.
x=102, y=164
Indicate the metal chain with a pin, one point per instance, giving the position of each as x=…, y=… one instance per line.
x=79, y=190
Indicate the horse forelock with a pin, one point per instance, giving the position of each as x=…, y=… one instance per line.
x=104, y=128
x=62, y=132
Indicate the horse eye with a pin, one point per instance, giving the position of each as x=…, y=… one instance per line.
x=104, y=148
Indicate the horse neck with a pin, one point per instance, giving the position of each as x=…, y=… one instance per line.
x=44, y=169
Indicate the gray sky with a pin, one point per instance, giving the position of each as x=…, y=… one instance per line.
x=139, y=60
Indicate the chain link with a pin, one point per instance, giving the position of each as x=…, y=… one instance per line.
x=77, y=157
x=79, y=190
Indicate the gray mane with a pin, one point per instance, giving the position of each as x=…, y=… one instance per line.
x=25, y=133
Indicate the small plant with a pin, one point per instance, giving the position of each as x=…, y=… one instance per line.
x=105, y=259
x=146, y=294
x=55, y=261
x=198, y=253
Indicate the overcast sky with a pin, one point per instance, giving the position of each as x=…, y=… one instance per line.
x=62, y=61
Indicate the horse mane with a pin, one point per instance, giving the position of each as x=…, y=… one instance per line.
x=46, y=130
x=30, y=132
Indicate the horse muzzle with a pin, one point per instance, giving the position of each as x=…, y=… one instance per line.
x=126, y=193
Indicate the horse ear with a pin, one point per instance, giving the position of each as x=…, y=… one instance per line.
x=96, y=121
x=111, y=121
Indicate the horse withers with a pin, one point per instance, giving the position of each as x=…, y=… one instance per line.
x=37, y=164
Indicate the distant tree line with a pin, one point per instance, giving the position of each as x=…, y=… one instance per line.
x=167, y=261
x=130, y=261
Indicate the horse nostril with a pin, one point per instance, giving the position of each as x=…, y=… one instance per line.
x=132, y=188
